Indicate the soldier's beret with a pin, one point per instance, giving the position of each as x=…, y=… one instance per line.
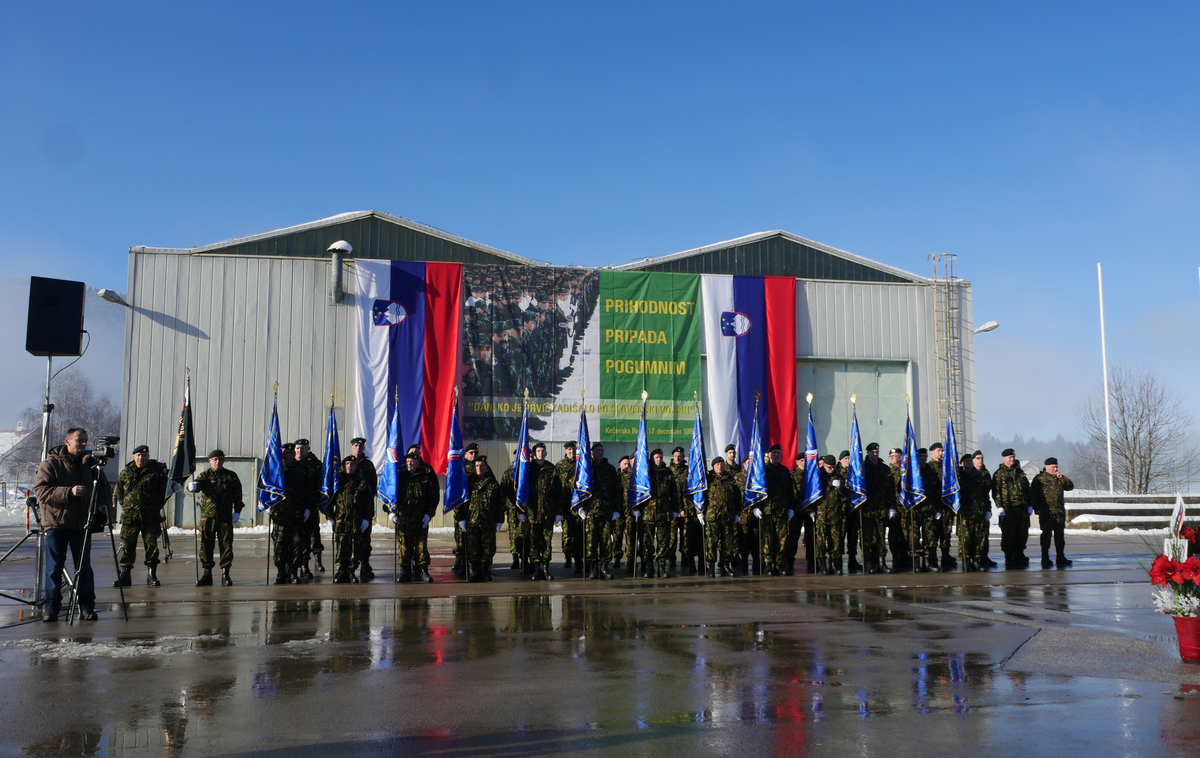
x=569, y=445
x=216, y=453
x=829, y=460
x=873, y=446
x=977, y=452
x=773, y=448
x=481, y=458
x=1051, y=462
x=472, y=446
x=1007, y=451
x=542, y=445
x=413, y=455
x=922, y=451
x=598, y=446
x=288, y=445
x=141, y=449
x=623, y=458
x=358, y=441
x=731, y=446
x=799, y=455
x=302, y=441
x=413, y=447
x=717, y=460
x=896, y=450
x=936, y=446
x=656, y=451
x=845, y=454
x=677, y=450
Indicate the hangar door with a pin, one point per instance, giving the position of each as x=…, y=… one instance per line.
x=880, y=387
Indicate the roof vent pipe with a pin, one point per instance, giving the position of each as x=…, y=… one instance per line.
x=336, y=251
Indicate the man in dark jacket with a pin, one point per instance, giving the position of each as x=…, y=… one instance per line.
x=63, y=486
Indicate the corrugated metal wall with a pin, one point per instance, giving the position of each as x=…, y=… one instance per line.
x=777, y=256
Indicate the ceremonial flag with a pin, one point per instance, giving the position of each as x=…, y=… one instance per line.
x=857, y=479
x=389, y=470
x=521, y=471
x=639, y=480
x=912, y=489
x=1177, y=517
x=331, y=466
x=812, y=474
x=457, y=492
x=750, y=336
x=407, y=340
x=756, y=472
x=270, y=478
x=697, y=480
x=183, y=460
x=583, y=463
x=951, y=494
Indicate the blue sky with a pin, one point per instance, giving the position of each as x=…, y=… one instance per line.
x=1032, y=139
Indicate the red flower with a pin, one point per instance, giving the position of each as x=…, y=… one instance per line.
x=1190, y=569
x=1161, y=571
x=1190, y=535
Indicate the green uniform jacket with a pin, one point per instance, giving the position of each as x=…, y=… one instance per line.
x=931, y=478
x=366, y=469
x=723, y=500
x=299, y=491
x=606, y=490
x=353, y=502
x=426, y=482
x=141, y=492
x=680, y=473
x=779, y=490
x=546, y=492
x=881, y=489
x=664, y=500
x=486, y=505
x=565, y=469
x=220, y=494
x=1046, y=495
x=840, y=493
x=1010, y=487
x=420, y=495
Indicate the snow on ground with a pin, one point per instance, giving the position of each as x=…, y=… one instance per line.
x=74, y=650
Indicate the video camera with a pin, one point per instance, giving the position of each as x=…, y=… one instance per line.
x=105, y=450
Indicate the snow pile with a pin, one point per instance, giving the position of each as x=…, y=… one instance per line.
x=65, y=649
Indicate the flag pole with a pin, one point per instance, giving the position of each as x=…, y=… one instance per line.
x=396, y=505
x=758, y=562
x=704, y=526
x=333, y=523
x=195, y=515
x=912, y=556
x=528, y=521
x=586, y=544
x=270, y=513
x=862, y=535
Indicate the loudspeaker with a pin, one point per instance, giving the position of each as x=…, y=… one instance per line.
x=55, y=317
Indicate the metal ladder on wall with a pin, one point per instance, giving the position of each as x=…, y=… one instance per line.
x=948, y=341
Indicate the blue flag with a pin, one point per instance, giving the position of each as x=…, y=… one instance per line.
x=583, y=463
x=521, y=463
x=812, y=473
x=756, y=470
x=270, y=479
x=697, y=480
x=456, y=469
x=389, y=472
x=331, y=467
x=951, y=494
x=639, y=480
x=857, y=479
x=912, y=489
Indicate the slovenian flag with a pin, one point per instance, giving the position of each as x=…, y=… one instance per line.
x=750, y=339
x=407, y=339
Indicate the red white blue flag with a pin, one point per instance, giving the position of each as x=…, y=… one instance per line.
x=407, y=341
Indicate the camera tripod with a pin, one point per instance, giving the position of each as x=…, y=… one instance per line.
x=98, y=480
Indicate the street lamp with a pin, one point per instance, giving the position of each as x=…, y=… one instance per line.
x=112, y=297
x=988, y=327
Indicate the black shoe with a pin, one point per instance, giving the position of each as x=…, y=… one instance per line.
x=711, y=570
x=423, y=574
x=283, y=578
x=662, y=571
x=949, y=561
x=1062, y=561
x=320, y=566
x=727, y=568
x=516, y=564
x=152, y=577
x=123, y=579
x=539, y=573
x=855, y=566
x=205, y=579
x=225, y=580
x=341, y=577
x=647, y=571
x=88, y=615
x=48, y=618
x=579, y=568
x=988, y=562
x=457, y=568
x=476, y=572
x=594, y=572
x=487, y=572
x=567, y=563
x=1046, y=562
x=546, y=575
x=604, y=572
x=403, y=575
x=365, y=569
x=922, y=566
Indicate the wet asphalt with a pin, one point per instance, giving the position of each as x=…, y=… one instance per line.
x=1001, y=663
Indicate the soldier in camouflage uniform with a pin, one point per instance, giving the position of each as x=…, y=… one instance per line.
x=418, y=504
x=310, y=527
x=722, y=505
x=804, y=521
x=658, y=514
x=746, y=528
x=479, y=518
x=572, y=525
x=903, y=535
x=686, y=533
x=732, y=467
x=831, y=517
x=287, y=517
x=599, y=512
x=141, y=491
x=985, y=485
x=1010, y=490
x=1046, y=496
x=927, y=515
x=366, y=470
x=972, y=513
x=470, y=453
x=518, y=526
x=220, y=508
x=777, y=511
x=946, y=523
x=547, y=494
x=881, y=498
x=621, y=525
x=353, y=510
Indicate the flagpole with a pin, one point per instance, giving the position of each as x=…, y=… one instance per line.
x=704, y=532
x=187, y=394
x=758, y=561
x=862, y=535
x=270, y=512
x=565, y=523
x=396, y=504
x=912, y=558
x=528, y=521
x=333, y=527
x=1104, y=362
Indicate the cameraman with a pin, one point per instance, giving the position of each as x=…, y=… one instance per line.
x=63, y=486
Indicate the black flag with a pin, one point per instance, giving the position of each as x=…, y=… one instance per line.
x=183, y=462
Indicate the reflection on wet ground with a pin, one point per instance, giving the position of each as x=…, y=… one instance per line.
x=871, y=666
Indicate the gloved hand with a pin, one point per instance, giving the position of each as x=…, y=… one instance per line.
x=463, y=525
x=425, y=521
x=1030, y=510
x=989, y=515
x=499, y=527
x=937, y=516
x=236, y=516
x=813, y=516
x=757, y=513
x=1001, y=513
x=193, y=486
x=674, y=516
x=791, y=513
x=266, y=512
x=558, y=518
x=700, y=518
x=307, y=513
x=616, y=515
x=737, y=518
x=637, y=515
x=521, y=517
x=891, y=513
x=836, y=482
x=393, y=518
x=365, y=524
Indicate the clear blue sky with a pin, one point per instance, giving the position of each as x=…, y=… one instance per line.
x=1032, y=139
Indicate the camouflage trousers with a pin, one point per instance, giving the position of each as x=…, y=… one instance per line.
x=285, y=541
x=795, y=531
x=829, y=531
x=720, y=540
x=692, y=542
x=872, y=535
x=599, y=535
x=457, y=540
x=774, y=529
x=618, y=528
x=518, y=533
x=673, y=546
x=412, y=544
x=345, y=543
x=654, y=541
x=541, y=542
x=572, y=535
x=912, y=525
x=218, y=531
x=362, y=544
x=129, y=538
x=310, y=538
x=745, y=532
x=972, y=535
x=931, y=534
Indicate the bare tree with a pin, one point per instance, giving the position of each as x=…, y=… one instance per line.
x=1152, y=438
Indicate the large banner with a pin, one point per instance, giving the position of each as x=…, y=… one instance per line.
x=572, y=335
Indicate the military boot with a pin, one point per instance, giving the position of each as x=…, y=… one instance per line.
x=123, y=579
x=948, y=561
x=367, y=572
x=205, y=579
x=546, y=575
x=647, y=570
x=855, y=566
x=932, y=563
x=487, y=571
x=1046, y=562
x=283, y=577
x=662, y=570
x=1062, y=561
x=516, y=564
x=341, y=577
x=787, y=568
x=727, y=567
x=539, y=573
x=578, y=568
x=476, y=574
x=320, y=566
x=225, y=580
x=457, y=568
x=988, y=562
x=567, y=562
x=403, y=574
x=604, y=572
x=152, y=577
x=423, y=574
